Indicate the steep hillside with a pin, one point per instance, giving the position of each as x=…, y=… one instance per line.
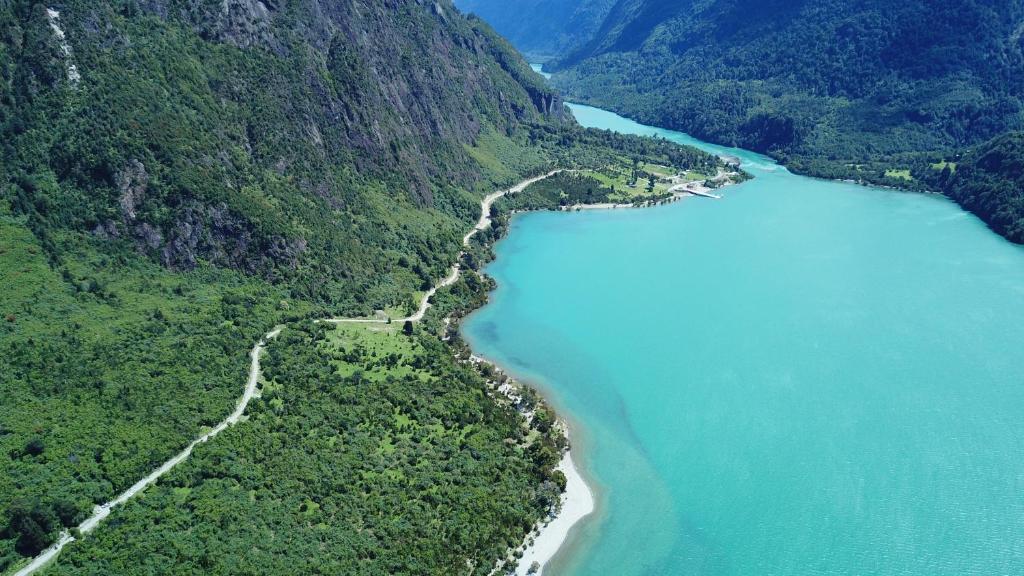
x=542, y=29
x=861, y=90
x=180, y=176
x=257, y=138
x=989, y=181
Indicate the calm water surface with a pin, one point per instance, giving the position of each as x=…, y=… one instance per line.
x=806, y=377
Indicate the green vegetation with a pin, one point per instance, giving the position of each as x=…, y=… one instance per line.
x=633, y=183
x=369, y=452
x=559, y=191
x=542, y=29
x=871, y=91
x=110, y=364
x=834, y=80
x=989, y=181
x=229, y=153
x=575, y=189
x=205, y=179
x=899, y=174
x=212, y=173
x=641, y=173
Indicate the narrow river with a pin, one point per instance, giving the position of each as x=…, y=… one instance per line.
x=806, y=377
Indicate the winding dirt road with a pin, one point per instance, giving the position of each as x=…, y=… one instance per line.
x=453, y=275
x=101, y=511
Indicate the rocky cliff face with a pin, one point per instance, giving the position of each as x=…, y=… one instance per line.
x=251, y=133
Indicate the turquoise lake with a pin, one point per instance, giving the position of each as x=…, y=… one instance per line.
x=806, y=377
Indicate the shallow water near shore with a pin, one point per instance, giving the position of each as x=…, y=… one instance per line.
x=806, y=377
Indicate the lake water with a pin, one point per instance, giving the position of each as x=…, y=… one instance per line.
x=805, y=377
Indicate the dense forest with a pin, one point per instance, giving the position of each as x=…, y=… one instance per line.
x=287, y=144
x=989, y=180
x=859, y=90
x=369, y=452
x=179, y=177
x=542, y=29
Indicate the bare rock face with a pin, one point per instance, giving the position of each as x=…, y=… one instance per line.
x=131, y=182
x=158, y=8
x=149, y=236
x=215, y=235
x=244, y=23
x=106, y=230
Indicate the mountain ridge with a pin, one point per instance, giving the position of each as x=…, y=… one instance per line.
x=180, y=177
x=878, y=92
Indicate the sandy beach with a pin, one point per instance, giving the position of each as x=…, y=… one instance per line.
x=577, y=504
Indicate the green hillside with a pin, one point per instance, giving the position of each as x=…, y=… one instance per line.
x=179, y=177
x=990, y=181
x=864, y=90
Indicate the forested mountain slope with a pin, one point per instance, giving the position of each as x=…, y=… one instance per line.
x=180, y=176
x=861, y=90
x=542, y=29
x=246, y=136
x=989, y=180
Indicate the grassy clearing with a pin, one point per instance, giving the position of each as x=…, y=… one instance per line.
x=382, y=348
x=634, y=181
x=504, y=160
x=899, y=174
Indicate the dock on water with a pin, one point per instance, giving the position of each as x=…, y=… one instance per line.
x=694, y=189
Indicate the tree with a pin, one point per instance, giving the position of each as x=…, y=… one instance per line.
x=34, y=447
x=33, y=525
x=407, y=328
x=66, y=511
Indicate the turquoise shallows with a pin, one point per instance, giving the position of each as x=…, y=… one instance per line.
x=805, y=378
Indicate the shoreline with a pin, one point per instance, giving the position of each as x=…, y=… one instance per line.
x=102, y=511
x=550, y=536
x=676, y=197
x=578, y=503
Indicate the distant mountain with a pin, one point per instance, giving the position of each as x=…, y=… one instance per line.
x=861, y=90
x=542, y=29
x=837, y=78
